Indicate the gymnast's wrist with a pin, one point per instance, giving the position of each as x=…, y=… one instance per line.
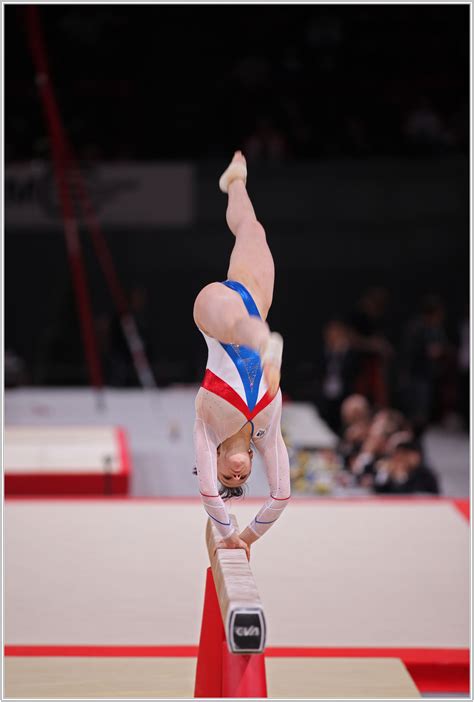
x=249, y=536
x=232, y=538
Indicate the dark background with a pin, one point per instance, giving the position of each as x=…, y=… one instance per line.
x=186, y=82
x=348, y=195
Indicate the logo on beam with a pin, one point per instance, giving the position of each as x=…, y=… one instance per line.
x=246, y=632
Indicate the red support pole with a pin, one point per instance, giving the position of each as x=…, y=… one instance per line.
x=243, y=675
x=58, y=148
x=209, y=663
x=220, y=673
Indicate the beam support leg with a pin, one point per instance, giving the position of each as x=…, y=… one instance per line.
x=212, y=639
x=243, y=675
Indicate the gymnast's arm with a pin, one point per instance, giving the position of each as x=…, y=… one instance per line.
x=277, y=467
x=205, y=447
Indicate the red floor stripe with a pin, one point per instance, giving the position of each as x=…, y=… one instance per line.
x=105, y=651
x=296, y=499
x=444, y=656
x=464, y=506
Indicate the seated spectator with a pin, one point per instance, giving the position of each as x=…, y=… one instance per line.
x=400, y=437
x=371, y=451
x=388, y=421
x=357, y=432
x=356, y=422
x=388, y=429
x=404, y=472
x=355, y=408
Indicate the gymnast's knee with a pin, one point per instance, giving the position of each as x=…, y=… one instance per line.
x=216, y=313
x=204, y=298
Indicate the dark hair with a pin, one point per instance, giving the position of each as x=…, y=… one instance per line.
x=227, y=492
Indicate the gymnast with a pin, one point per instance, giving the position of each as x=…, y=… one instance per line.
x=238, y=406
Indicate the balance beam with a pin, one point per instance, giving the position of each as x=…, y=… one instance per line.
x=239, y=601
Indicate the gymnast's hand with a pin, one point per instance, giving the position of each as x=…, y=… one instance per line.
x=235, y=542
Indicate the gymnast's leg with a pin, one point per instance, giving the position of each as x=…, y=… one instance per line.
x=219, y=311
x=251, y=262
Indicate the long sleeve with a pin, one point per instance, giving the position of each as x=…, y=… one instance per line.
x=277, y=468
x=205, y=447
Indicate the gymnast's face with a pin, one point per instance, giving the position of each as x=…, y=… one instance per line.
x=234, y=465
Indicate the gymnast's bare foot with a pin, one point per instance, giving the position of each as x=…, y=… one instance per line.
x=238, y=157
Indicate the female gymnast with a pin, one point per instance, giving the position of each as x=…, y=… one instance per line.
x=239, y=402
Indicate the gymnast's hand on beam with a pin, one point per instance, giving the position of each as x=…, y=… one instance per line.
x=235, y=542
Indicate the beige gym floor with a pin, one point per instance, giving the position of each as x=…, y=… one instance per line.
x=118, y=572
x=330, y=573
x=174, y=677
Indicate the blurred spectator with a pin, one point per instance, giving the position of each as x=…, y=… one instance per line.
x=339, y=366
x=383, y=425
x=355, y=420
x=424, y=355
x=368, y=324
x=399, y=437
x=357, y=433
x=368, y=444
x=404, y=472
x=354, y=409
x=352, y=445
x=363, y=463
x=388, y=421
